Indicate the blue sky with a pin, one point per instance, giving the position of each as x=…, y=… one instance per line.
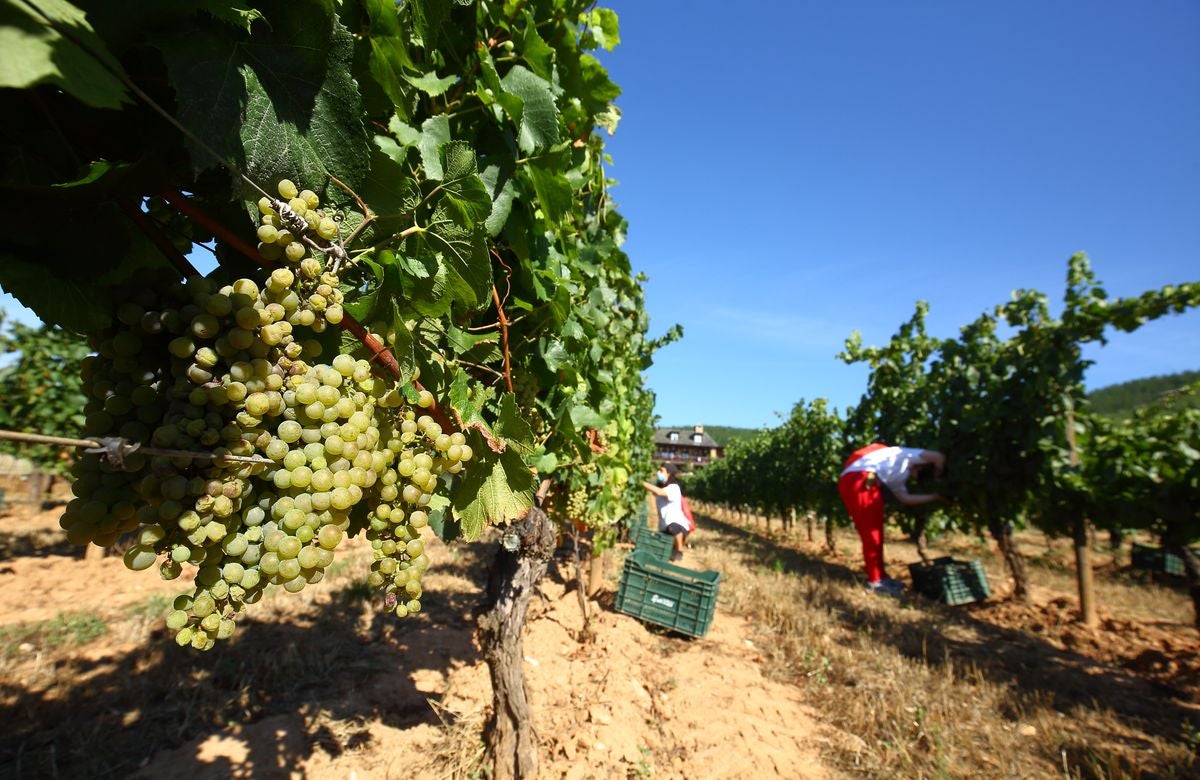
x=795, y=171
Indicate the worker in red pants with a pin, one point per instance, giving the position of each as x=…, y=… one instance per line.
x=865, y=474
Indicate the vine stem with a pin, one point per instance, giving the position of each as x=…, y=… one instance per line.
x=508, y=383
x=190, y=210
x=385, y=357
x=151, y=230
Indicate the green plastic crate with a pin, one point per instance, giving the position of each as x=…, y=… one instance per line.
x=950, y=581
x=666, y=595
x=655, y=544
x=1151, y=558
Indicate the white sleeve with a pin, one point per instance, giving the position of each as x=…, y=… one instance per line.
x=674, y=494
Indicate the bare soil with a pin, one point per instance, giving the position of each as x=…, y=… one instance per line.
x=323, y=684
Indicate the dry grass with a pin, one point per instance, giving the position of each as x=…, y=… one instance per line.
x=934, y=692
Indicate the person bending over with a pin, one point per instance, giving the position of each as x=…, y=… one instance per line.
x=861, y=484
x=671, y=519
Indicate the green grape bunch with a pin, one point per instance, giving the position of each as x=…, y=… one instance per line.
x=233, y=370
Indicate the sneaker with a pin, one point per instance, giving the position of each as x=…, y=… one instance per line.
x=896, y=585
x=884, y=588
x=676, y=556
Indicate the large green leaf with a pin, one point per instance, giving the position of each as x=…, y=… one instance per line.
x=496, y=488
x=464, y=194
x=463, y=252
x=435, y=132
x=512, y=427
x=282, y=103
x=501, y=189
x=46, y=46
x=553, y=190
x=535, y=50
x=539, y=117
x=431, y=84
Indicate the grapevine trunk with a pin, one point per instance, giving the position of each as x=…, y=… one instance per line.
x=511, y=738
x=1003, y=534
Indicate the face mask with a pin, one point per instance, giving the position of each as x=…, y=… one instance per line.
x=662, y=479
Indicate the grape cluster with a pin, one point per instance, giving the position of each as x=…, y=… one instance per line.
x=230, y=370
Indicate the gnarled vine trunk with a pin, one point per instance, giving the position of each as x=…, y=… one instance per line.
x=1003, y=534
x=808, y=523
x=829, y=544
x=511, y=738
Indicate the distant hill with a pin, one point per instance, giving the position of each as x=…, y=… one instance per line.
x=1119, y=401
x=723, y=434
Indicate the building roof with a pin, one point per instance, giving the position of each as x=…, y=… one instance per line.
x=662, y=436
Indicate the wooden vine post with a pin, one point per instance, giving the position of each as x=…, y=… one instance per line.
x=1083, y=550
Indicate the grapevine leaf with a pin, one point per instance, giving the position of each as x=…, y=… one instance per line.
x=460, y=401
x=502, y=191
x=233, y=12
x=539, y=116
x=496, y=487
x=363, y=305
x=513, y=427
x=556, y=355
x=75, y=300
x=289, y=89
x=389, y=59
x=552, y=188
x=586, y=417
x=69, y=302
x=96, y=171
x=602, y=29
x=405, y=133
x=535, y=51
x=546, y=463
x=435, y=131
x=464, y=195
x=463, y=252
x=430, y=84
x=444, y=526
x=428, y=16
x=34, y=51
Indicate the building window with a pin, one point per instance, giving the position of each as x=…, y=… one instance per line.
x=673, y=435
x=698, y=438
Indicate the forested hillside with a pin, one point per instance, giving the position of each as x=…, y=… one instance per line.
x=1120, y=400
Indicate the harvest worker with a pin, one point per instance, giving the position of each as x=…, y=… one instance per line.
x=671, y=519
x=859, y=487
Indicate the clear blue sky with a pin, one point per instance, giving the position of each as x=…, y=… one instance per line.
x=795, y=171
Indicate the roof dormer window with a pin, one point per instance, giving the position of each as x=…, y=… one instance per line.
x=673, y=435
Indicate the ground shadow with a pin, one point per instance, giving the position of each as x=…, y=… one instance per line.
x=106, y=716
x=1037, y=672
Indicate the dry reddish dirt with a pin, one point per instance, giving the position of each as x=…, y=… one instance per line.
x=321, y=685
